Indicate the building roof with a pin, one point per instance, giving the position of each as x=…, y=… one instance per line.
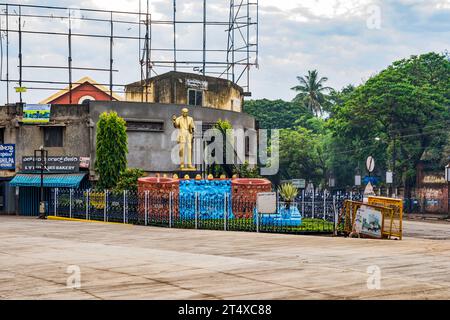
x=50, y=180
x=183, y=75
x=76, y=85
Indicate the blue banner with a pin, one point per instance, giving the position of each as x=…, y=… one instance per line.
x=7, y=156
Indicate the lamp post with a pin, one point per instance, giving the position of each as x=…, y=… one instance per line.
x=447, y=178
x=357, y=178
x=331, y=181
x=43, y=164
x=389, y=180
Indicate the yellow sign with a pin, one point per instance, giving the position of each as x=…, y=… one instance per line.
x=21, y=89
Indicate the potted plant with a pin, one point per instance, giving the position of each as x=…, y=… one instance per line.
x=288, y=192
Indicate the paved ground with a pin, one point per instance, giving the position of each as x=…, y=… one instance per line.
x=131, y=262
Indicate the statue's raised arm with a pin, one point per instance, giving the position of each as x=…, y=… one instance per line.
x=174, y=121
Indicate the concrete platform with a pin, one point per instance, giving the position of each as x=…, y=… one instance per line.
x=131, y=262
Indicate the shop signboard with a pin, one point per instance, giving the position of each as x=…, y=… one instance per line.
x=7, y=156
x=197, y=84
x=54, y=164
x=36, y=113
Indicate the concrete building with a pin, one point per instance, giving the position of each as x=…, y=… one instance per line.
x=151, y=137
x=188, y=89
x=66, y=134
x=69, y=136
x=71, y=133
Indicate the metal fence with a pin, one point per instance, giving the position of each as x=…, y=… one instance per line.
x=310, y=213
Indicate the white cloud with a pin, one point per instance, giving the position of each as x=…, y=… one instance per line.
x=301, y=10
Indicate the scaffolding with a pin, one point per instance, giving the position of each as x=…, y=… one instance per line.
x=232, y=59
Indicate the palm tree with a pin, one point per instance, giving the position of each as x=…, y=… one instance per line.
x=311, y=92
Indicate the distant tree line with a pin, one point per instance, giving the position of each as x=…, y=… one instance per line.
x=400, y=116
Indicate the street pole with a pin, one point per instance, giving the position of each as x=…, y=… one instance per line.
x=448, y=197
x=447, y=177
x=43, y=156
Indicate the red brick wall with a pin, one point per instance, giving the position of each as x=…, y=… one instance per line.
x=85, y=89
x=434, y=198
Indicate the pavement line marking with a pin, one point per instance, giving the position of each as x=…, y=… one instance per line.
x=84, y=220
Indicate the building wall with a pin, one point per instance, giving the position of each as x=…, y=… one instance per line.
x=151, y=151
x=172, y=88
x=29, y=137
x=433, y=199
x=83, y=90
x=431, y=189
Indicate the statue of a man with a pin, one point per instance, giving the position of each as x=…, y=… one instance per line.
x=186, y=127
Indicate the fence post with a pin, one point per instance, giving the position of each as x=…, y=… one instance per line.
x=196, y=210
x=105, y=208
x=324, y=204
x=70, y=203
x=170, y=209
x=335, y=215
x=225, y=213
x=257, y=220
x=88, y=196
x=313, y=204
x=56, y=202
x=124, y=205
x=303, y=203
x=146, y=207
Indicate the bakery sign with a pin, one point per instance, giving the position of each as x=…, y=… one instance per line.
x=54, y=164
x=197, y=84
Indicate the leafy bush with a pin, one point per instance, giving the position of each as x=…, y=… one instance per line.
x=128, y=179
x=111, y=149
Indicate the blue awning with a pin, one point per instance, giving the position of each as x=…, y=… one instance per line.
x=50, y=180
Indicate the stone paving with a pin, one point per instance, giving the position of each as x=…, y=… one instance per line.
x=135, y=262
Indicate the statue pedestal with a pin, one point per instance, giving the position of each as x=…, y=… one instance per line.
x=192, y=173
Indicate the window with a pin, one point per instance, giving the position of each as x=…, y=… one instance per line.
x=2, y=135
x=86, y=99
x=53, y=136
x=247, y=146
x=143, y=125
x=195, y=97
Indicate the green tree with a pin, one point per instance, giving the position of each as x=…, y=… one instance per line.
x=275, y=114
x=398, y=116
x=302, y=155
x=246, y=171
x=128, y=179
x=312, y=92
x=111, y=149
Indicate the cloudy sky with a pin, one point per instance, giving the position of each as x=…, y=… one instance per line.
x=345, y=40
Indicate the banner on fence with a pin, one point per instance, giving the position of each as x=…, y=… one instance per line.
x=369, y=222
